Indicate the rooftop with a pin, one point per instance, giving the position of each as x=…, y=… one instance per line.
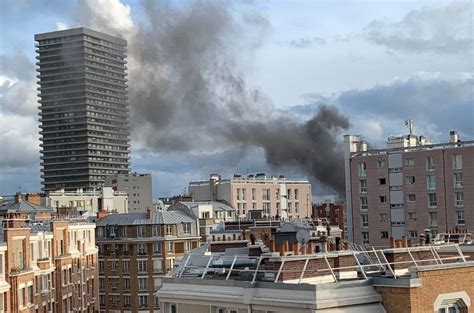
x=141, y=218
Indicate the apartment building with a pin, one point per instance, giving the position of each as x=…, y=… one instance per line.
x=208, y=213
x=83, y=107
x=88, y=199
x=135, y=251
x=410, y=186
x=257, y=196
x=259, y=278
x=138, y=186
x=48, y=266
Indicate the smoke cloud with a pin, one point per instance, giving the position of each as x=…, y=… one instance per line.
x=187, y=93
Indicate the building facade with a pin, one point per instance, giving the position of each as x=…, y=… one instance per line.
x=138, y=186
x=135, y=251
x=48, y=266
x=91, y=199
x=83, y=107
x=409, y=187
x=272, y=196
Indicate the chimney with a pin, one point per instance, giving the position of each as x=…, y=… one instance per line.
x=148, y=213
x=18, y=197
x=453, y=136
x=34, y=198
x=102, y=214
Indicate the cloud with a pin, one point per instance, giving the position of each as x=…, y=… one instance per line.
x=307, y=42
x=18, y=85
x=436, y=105
x=439, y=29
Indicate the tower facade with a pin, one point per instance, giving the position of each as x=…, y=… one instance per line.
x=83, y=107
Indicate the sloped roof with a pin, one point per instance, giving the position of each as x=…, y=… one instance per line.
x=157, y=217
x=23, y=206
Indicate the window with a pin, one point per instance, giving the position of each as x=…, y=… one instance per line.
x=187, y=228
x=432, y=202
x=141, y=249
x=384, y=234
x=126, y=301
x=101, y=266
x=266, y=194
x=205, y=215
x=244, y=194
x=102, y=300
x=382, y=199
x=143, y=301
x=460, y=218
x=383, y=217
x=288, y=194
x=430, y=164
x=457, y=162
x=296, y=194
x=458, y=180
x=433, y=218
x=101, y=283
x=113, y=265
x=238, y=193
x=143, y=283
x=431, y=182
x=362, y=169
x=266, y=207
x=169, y=230
x=380, y=163
x=365, y=220
x=170, y=247
x=297, y=207
x=412, y=216
x=141, y=231
x=126, y=266
x=362, y=186
x=156, y=230
x=157, y=247
x=365, y=238
x=254, y=194
x=459, y=198
x=364, y=204
x=382, y=181
x=126, y=283
x=410, y=180
x=411, y=197
x=142, y=266
x=413, y=234
x=409, y=162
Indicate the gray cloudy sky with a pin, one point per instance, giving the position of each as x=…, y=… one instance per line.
x=211, y=82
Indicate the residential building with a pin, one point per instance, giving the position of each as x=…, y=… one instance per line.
x=257, y=196
x=88, y=199
x=254, y=278
x=410, y=186
x=83, y=107
x=135, y=251
x=28, y=204
x=208, y=213
x=139, y=189
x=330, y=213
x=48, y=266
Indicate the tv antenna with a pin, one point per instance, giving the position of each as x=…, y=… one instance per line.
x=409, y=125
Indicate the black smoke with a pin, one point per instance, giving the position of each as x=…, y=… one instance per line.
x=187, y=93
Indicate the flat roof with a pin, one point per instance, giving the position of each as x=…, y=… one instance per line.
x=80, y=31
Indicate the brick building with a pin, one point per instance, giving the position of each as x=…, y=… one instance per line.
x=332, y=213
x=257, y=278
x=48, y=266
x=408, y=187
x=135, y=251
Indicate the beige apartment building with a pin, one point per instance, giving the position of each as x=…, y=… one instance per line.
x=411, y=186
x=135, y=251
x=47, y=266
x=257, y=195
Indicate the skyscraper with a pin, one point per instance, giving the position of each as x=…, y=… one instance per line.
x=83, y=107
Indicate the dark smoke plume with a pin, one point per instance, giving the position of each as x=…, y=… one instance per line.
x=186, y=93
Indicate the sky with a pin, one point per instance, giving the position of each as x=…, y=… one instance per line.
x=267, y=68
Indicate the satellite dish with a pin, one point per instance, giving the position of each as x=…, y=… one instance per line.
x=303, y=236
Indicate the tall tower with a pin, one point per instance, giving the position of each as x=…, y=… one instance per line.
x=83, y=107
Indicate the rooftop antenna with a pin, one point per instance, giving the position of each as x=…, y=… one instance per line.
x=409, y=125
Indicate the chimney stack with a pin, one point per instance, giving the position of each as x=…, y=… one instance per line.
x=18, y=197
x=453, y=136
